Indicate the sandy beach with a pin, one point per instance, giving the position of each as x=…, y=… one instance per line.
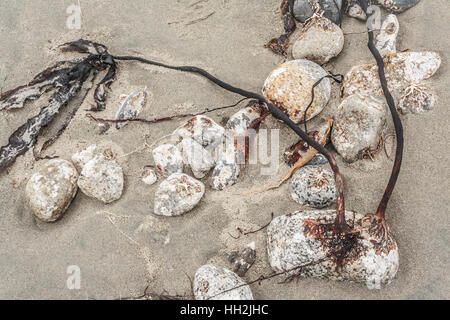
x=116, y=246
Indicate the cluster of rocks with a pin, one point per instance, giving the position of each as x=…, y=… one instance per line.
x=199, y=147
x=93, y=170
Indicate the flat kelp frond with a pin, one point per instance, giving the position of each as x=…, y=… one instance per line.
x=67, y=79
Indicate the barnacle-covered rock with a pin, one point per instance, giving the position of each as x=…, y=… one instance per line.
x=398, y=6
x=198, y=158
x=306, y=238
x=203, y=130
x=102, y=179
x=354, y=10
x=131, y=107
x=227, y=169
x=289, y=88
x=387, y=38
x=168, y=159
x=402, y=68
x=51, y=190
x=313, y=186
x=416, y=99
x=149, y=176
x=358, y=126
x=319, y=41
x=243, y=260
x=216, y=283
x=82, y=157
x=178, y=194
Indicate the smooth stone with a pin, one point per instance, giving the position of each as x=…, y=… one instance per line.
x=241, y=120
x=131, y=107
x=149, y=176
x=178, y=194
x=102, y=128
x=203, y=130
x=212, y=282
x=417, y=99
x=292, y=242
x=319, y=41
x=304, y=9
x=243, y=260
x=102, y=179
x=51, y=190
x=168, y=159
x=358, y=126
x=402, y=69
x=227, y=169
x=313, y=186
x=387, y=38
x=398, y=6
x=289, y=88
x=355, y=11
x=195, y=156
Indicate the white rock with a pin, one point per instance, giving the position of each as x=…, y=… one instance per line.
x=178, y=194
x=417, y=99
x=79, y=159
x=149, y=176
x=313, y=186
x=211, y=282
x=358, y=126
x=227, y=169
x=402, y=69
x=387, y=38
x=131, y=107
x=51, y=190
x=102, y=179
x=168, y=159
x=355, y=11
x=203, y=130
x=319, y=41
x=289, y=88
x=195, y=156
x=292, y=242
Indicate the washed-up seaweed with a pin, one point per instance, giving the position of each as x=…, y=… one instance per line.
x=280, y=44
x=65, y=79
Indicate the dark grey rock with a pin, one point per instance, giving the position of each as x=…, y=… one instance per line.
x=319, y=159
x=303, y=9
x=242, y=261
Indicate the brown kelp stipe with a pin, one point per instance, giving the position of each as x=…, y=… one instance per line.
x=341, y=225
x=381, y=211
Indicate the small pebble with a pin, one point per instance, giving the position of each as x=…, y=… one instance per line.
x=131, y=107
x=178, y=194
x=304, y=9
x=289, y=88
x=203, y=130
x=168, y=159
x=212, y=283
x=51, y=190
x=313, y=186
x=319, y=159
x=387, y=38
x=358, y=126
x=398, y=6
x=195, y=156
x=355, y=11
x=242, y=261
x=319, y=41
x=149, y=176
x=102, y=179
x=417, y=99
x=101, y=128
